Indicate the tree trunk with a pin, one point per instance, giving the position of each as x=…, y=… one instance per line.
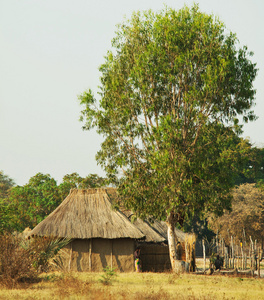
x=177, y=265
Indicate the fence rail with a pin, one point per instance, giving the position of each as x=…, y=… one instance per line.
x=242, y=256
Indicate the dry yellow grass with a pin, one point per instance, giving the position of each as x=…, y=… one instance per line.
x=133, y=286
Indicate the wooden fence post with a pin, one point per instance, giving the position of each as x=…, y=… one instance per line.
x=251, y=253
x=252, y=256
x=245, y=258
x=226, y=258
x=242, y=256
x=233, y=256
x=259, y=259
x=204, y=255
x=249, y=257
x=217, y=243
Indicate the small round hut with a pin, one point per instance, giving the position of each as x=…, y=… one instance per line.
x=101, y=236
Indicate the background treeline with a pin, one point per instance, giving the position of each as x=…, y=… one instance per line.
x=246, y=218
x=26, y=206
x=247, y=215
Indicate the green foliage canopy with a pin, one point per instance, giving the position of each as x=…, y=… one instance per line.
x=27, y=205
x=171, y=93
x=253, y=170
x=30, y=204
x=5, y=184
x=172, y=90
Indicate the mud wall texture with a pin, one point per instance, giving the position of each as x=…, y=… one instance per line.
x=96, y=254
x=155, y=258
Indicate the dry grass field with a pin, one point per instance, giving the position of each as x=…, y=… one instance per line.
x=153, y=286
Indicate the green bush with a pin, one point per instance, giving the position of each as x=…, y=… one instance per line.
x=109, y=274
x=45, y=252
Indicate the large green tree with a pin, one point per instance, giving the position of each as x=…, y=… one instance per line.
x=26, y=206
x=172, y=90
x=75, y=181
x=6, y=183
x=253, y=170
x=29, y=204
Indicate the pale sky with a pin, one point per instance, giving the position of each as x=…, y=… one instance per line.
x=50, y=53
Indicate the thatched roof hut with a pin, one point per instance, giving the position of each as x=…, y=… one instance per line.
x=87, y=214
x=101, y=235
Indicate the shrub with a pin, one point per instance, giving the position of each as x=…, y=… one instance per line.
x=21, y=260
x=109, y=274
x=69, y=285
x=15, y=262
x=45, y=252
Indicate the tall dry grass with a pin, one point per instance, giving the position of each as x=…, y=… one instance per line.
x=21, y=260
x=15, y=262
x=134, y=286
x=167, y=286
x=125, y=286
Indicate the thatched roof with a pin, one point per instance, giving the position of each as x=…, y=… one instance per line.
x=154, y=230
x=86, y=214
x=163, y=228
x=151, y=233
